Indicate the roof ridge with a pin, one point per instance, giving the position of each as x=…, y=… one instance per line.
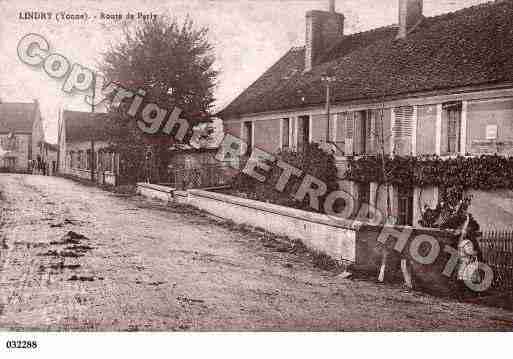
x=443, y=52
x=384, y=27
x=380, y=28
x=468, y=8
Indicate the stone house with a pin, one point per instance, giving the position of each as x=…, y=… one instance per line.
x=83, y=149
x=21, y=135
x=431, y=85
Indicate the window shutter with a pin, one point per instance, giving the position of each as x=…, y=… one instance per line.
x=377, y=129
x=403, y=129
x=349, y=120
x=403, y=125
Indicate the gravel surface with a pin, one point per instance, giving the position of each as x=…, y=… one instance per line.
x=75, y=257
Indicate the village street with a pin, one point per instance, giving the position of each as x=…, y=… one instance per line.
x=78, y=257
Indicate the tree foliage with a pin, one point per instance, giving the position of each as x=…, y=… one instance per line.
x=174, y=64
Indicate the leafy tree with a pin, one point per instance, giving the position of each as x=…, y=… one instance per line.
x=173, y=64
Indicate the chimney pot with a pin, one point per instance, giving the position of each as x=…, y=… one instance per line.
x=410, y=15
x=332, y=6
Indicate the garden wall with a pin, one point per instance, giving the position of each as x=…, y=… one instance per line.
x=100, y=177
x=354, y=242
x=155, y=191
x=331, y=236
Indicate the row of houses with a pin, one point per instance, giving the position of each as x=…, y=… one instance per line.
x=431, y=85
x=84, y=149
x=23, y=147
x=81, y=151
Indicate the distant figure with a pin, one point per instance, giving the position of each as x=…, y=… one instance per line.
x=39, y=165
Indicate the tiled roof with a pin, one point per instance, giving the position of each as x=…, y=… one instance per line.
x=17, y=117
x=84, y=126
x=472, y=46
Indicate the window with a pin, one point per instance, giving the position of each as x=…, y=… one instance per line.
x=80, y=159
x=285, y=133
x=403, y=130
x=248, y=136
x=452, y=125
x=405, y=206
x=375, y=137
x=340, y=130
x=359, y=132
x=89, y=161
x=363, y=136
x=71, y=159
x=364, y=194
x=9, y=163
x=106, y=161
x=303, y=131
x=348, y=118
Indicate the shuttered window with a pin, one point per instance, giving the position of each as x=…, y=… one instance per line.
x=403, y=124
x=349, y=125
x=403, y=130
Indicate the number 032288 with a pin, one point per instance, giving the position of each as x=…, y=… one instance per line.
x=21, y=344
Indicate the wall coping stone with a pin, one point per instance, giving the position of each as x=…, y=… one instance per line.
x=156, y=187
x=280, y=210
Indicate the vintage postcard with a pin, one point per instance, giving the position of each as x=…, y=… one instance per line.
x=246, y=166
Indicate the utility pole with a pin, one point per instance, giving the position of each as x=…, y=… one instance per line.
x=93, y=157
x=328, y=79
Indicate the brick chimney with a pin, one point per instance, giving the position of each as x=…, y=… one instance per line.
x=410, y=15
x=323, y=29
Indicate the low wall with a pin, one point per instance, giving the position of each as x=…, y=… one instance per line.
x=155, y=191
x=351, y=241
x=331, y=236
x=100, y=177
x=429, y=277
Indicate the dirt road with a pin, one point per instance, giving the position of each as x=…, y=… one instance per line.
x=75, y=257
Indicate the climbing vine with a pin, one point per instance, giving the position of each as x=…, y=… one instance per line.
x=486, y=172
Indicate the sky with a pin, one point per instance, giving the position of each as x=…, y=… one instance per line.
x=249, y=36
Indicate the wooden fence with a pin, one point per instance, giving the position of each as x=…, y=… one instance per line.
x=497, y=249
x=206, y=176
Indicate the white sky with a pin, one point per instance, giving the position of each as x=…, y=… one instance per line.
x=249, y=36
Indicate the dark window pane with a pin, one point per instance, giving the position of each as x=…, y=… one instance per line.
x=286, y=133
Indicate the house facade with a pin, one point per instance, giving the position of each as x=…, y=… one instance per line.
x=438, y=85
x=83, y=148
x=21, y=136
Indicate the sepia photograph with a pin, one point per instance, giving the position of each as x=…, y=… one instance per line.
x=275, y=173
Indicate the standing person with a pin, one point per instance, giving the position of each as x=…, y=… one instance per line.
x=469, y=255
x=39, y=164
